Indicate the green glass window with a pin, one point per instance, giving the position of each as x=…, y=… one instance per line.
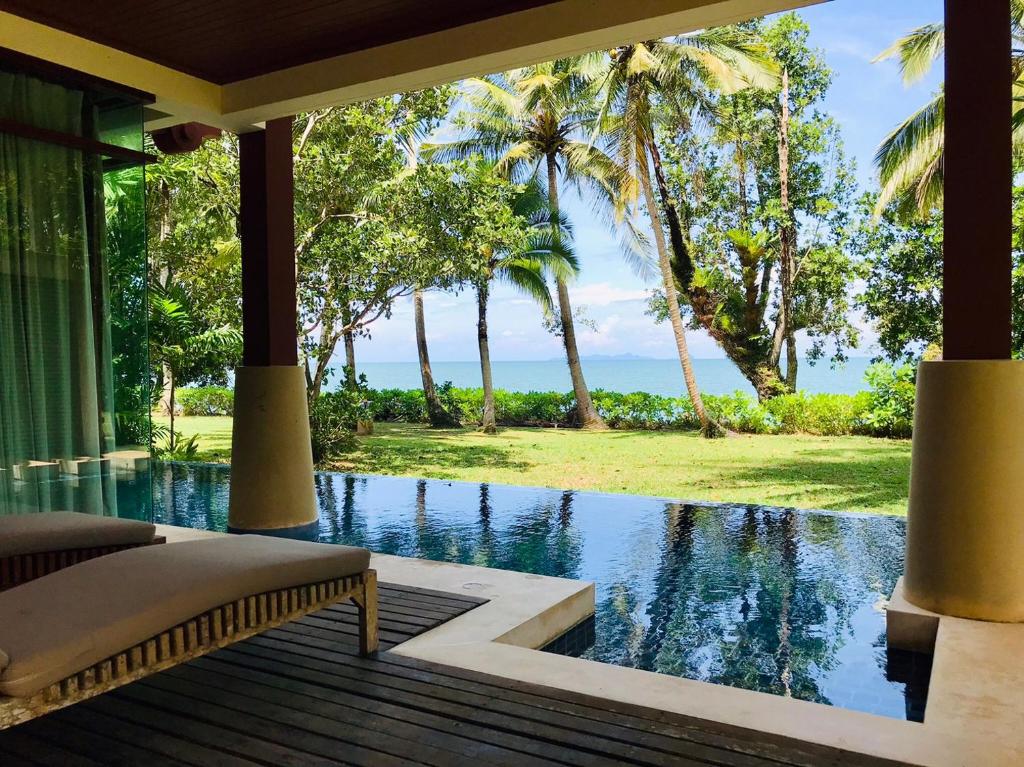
x=74, y=379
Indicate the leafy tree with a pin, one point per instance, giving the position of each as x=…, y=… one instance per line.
x=459, y=215
x=738, y=225
x=536, y=120
x=175, y=339
x=909, y=160
x=902, y=292
x=525, y=266
x=902, y=265
x=357, y=253
x=669, y=73
x=352, y=265
x=192, y=213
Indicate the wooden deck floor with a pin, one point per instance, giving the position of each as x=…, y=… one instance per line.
x=300, y=695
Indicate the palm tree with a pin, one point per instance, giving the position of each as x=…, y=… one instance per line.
x=671, y=72
x=409, y=141
x=437, y=413
x=176, y=340
x=546, y=252
x=909, y=160
x=533, y=121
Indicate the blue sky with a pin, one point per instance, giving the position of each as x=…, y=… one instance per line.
x=866, y=99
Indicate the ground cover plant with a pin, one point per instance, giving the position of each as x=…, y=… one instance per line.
x=841, y=473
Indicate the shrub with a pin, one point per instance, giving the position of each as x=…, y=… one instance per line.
x=889, y=410
x=332, y=418
x=737, y=411
x=884, y=411
x=533, y=408
x=206, y=400
x=640, y=410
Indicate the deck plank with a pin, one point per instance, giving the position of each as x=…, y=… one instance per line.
x=300, y=696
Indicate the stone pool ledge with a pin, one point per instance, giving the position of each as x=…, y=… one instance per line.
x=974, y=716
x=977, y=681
x=522, y=609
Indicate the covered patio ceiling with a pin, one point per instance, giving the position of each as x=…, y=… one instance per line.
x=237, y=63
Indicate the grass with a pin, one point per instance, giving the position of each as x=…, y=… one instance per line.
x=840, y=473
x=214, y=434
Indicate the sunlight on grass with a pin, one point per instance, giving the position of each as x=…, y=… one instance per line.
x=840, y=473
x=214, y=434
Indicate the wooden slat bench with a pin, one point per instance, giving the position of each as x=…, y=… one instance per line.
x=106, y=645
x=34, y=545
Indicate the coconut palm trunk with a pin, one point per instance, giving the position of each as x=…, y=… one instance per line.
x=437, y=414
x=708, y=426
x=587, y=413
x=487, y=422
x=787, y=242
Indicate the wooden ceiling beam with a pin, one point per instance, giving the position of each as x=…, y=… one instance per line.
x=531, y=35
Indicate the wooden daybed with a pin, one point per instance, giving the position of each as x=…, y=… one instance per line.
x=114, y=619
x=34, y=545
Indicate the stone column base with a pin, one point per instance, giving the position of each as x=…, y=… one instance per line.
x=965, y=528
x=271, y=459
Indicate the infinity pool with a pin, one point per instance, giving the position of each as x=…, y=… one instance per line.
x=776, y=600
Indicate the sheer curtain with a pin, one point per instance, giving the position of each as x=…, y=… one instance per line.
x=56, y=380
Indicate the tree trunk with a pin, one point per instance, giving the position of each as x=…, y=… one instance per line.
x=436, y=413
x=487, y=422
x=765, y=380
x=348, y=337
x=787, y=246
x=791, y=361
x=741, y=346
x=172, y=443
x=708, y=426
x=350, y=360
x=323, y=361
x=748, y=262
x=166, y=397
x=166, y=228
x=587, y=413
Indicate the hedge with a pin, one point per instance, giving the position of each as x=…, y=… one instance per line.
x=884, y=410
x=205, y=400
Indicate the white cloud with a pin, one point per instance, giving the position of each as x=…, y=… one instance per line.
x=604, y=294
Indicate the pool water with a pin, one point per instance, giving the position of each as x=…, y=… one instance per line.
x=776, y=600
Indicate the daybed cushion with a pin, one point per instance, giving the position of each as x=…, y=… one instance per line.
x=62, y=623
x=59, y=530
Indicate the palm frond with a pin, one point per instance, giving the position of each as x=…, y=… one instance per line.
x=527, y=277
x=909, y=159
x=917, y=51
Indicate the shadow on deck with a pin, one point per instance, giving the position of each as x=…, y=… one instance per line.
x=300, y=695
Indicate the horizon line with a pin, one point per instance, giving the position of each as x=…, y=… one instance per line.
x=608, y=358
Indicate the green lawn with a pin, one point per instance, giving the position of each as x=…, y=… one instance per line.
x=214, y=434
x=843, y=473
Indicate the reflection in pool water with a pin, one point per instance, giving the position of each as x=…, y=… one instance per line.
x=776, y=600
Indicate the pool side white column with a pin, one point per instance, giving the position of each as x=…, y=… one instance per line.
x=965, y=530
x=271, y=457
x=965, y=535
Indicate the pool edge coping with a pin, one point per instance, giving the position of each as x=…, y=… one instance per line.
x=525, y=611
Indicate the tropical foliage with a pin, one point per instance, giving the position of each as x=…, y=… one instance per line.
x=909, y=159
x=709, y=157
x=534, y=123
x=763, y=199
x=176, y=340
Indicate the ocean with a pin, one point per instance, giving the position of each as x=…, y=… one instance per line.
x=714, y=376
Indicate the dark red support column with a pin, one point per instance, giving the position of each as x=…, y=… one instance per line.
x=268, y=246
x=978, y=181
